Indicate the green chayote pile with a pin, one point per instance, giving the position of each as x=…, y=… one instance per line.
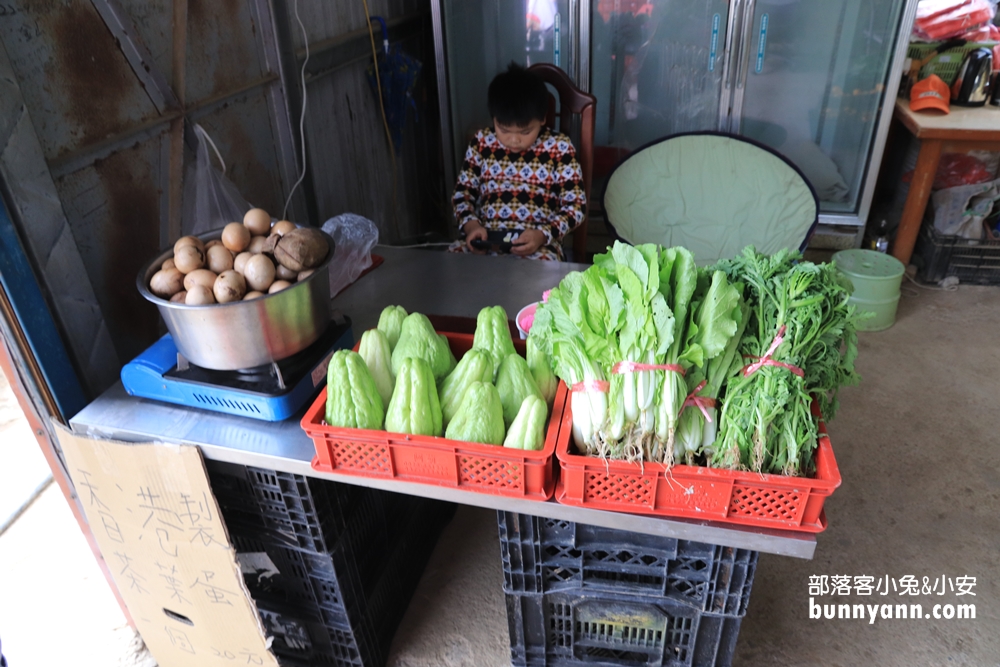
x=406, y=379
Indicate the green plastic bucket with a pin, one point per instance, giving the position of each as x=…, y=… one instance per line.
x=876, y=278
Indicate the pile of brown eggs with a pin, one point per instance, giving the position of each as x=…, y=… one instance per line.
x=252, y=258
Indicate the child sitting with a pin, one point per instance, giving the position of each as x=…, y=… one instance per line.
x=519, y=176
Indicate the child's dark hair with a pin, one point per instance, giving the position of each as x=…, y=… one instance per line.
x=517, y=97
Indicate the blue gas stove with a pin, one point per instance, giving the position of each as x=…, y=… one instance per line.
x=272, y=392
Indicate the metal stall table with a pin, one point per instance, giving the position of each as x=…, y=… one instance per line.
x=435, y=283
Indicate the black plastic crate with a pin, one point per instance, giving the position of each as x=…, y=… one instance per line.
x=548, y=555
x=974, y=262
x=590, y=629
x=310, y=513
x=301, y=640
x=346, y=575
x=358, y=635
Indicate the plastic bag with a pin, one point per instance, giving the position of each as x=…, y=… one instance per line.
x=354, y=237
x=942, y=20
x=960, y=211
x=211, y=201
x=957, y=169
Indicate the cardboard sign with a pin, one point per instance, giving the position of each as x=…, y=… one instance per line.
x=154, y=517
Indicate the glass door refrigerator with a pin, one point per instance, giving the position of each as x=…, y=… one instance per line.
x=815, y=81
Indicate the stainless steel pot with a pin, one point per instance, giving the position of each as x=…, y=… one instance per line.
x=246, y=334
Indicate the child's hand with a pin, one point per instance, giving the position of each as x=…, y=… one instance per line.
x=473, y=230
x=528, y=242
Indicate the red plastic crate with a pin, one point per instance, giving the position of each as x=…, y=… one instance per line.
x=430, y=460
x=711, y=494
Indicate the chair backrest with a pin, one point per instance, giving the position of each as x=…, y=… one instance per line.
x=712, y=193
x=573, y=102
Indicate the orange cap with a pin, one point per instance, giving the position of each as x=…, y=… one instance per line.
x=930, y=93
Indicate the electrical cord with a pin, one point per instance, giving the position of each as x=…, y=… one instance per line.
x=434, y=244
x=948, y=284
x=385, y=121
x=302, y=116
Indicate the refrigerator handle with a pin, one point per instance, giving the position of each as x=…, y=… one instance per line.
x=747, y=33
x=731, y=48
x=746, y=40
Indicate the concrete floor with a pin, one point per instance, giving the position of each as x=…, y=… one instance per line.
x=916, y=443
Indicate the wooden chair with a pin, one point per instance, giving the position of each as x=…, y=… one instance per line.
x=573, y=102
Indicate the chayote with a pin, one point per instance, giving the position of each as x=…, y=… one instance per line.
x=479, y=418
x=493, y=334
x=352, y=400
x=541, y=370
x=514, y=383
x=451, y=355
x=374, y=349
x=528, y=429
x=414, y=407
x=390, y=322
x=475, y=366
x=418, y=339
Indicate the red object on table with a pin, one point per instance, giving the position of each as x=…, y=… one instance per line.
x=468, y=466
x=952, y=19
x=695, y=492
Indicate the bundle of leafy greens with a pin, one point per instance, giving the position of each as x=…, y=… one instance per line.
x=799, y=342
x=623, y=334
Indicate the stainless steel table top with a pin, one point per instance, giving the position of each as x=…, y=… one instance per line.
x=422, y=281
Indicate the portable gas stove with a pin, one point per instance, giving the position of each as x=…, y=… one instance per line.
x=271, y=392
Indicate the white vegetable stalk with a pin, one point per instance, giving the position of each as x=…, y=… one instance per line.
x=647, y=381
x=588, y=398
x=615, y=430
x=674, y=393
x=710, y=430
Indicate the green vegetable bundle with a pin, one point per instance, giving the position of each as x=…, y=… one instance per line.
x=623, y=334
x=800, y=342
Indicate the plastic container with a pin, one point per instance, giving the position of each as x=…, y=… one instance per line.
x=589, y=629
x=972, y=262
x=547, y=555
x=876, y=278
x=525, y=318
x=710, y=494
x=430, y=460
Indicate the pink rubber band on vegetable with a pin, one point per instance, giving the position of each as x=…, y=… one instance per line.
x=591, y=385
x=766, y=360
x=631, y=367
x=545, y=295
x=700, y=402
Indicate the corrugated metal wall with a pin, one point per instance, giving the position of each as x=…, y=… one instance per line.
x=97, y=101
